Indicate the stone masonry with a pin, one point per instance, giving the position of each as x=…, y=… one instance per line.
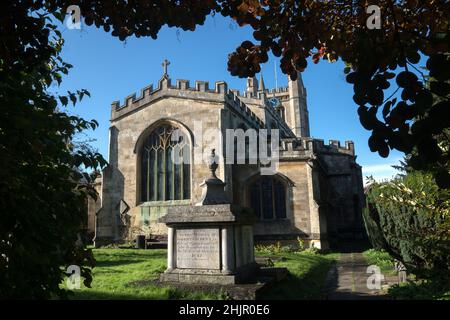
x=323, y=190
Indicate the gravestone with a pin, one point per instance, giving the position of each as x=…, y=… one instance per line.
x=211, y=242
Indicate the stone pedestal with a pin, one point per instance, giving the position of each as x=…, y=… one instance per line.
x=209, y=244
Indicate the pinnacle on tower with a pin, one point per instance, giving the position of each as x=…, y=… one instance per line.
x=297, y=111
x=262, y=87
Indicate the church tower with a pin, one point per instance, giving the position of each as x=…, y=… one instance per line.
x=297, y=116
x=252, y=87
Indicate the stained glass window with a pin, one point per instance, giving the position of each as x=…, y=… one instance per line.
x=268, y=198
x=165, y=169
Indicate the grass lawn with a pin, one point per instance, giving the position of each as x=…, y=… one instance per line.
x=307, y=274
x=382, y=259
x=118, y=269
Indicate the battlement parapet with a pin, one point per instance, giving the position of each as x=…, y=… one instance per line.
x=262, y=100
x=240, y=107
x=280, y=121
x=247, y=94
x=279, y=90
x=267, y=93
x=306, y=144
x=334, y=146
x=296, y=148
x=182, y=89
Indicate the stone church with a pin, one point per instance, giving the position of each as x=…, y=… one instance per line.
x=315, y=194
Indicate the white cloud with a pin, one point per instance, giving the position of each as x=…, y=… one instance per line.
x=381, y=171
x=378, y=168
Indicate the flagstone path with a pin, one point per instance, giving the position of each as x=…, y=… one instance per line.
x=347, y=280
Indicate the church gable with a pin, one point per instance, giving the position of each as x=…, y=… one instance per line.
x=295, y=202
x=200, y=93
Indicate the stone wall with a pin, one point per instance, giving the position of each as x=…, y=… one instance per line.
x=93, y=206
x=131, y=122
x=323, y=182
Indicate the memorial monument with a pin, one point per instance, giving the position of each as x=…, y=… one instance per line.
x=211, y=242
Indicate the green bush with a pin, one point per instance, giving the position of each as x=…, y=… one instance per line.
x=277, y=248
x=373, y=230
x=268, y=248
x=381, y=259
x=409, y=218
x=423, y=290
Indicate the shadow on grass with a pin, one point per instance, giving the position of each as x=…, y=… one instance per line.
x=115, y=263
x=352, y=246
x=91, y=294
x=305, y=280
x=150, y=292
x=114, y=257
x=130, y=254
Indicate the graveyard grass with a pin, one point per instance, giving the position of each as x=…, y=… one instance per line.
x=307, y=274
x=118, y=271
x=381, y=259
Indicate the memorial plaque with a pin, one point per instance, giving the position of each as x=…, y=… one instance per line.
x=198, y=248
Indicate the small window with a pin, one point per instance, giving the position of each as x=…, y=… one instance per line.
x=268, y=198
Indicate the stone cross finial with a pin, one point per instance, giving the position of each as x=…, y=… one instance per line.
x=165, y=64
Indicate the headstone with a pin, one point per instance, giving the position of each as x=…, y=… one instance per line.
x=211, y=242
x=401, y=269
x=140, y=242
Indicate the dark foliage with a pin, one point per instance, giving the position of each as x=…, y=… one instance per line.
x=409, y=217
x=41, y=197
x=43, y=187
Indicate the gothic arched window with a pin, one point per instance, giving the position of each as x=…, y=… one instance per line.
x=268, y=198
x=165, y=170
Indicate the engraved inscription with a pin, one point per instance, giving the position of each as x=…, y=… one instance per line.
x=198, y=248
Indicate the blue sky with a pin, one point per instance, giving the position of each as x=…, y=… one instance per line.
x=111, y=70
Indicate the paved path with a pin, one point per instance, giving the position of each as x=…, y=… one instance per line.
x=348, y=279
